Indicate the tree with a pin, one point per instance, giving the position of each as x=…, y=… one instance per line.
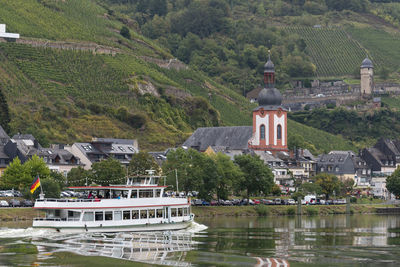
x=107, y=171
x=258, y=177
x=141, y=162
x=77, y=176
x=188, y=166
x=328, y=183
x=311, y=188
x=347, y=186
x=4, y=112
x=276, y=190
x=227, y=175
x=15, y=176
x=36, y=166
x=393, y=183
x=125, y=32
x=59, y=178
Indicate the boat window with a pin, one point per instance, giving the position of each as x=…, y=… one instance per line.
x=135, y=214
x=143, y=214
x=145, y=193
x=180, y=212
x=159, y=213
x=158, y=192
x=98, y=216
x=117, y=215
x=127, y=215
x=173, y=212
x=57, y=213
x=134, y=194
x=108, y=215
x=88, y=216
x=152, y=214
x=125, y=193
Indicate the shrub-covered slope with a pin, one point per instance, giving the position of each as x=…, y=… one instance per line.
x=79, y=90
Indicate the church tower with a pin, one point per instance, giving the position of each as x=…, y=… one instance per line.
x=269, y=118
x=367, y=77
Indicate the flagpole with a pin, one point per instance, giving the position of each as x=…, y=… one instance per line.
x=41, y=195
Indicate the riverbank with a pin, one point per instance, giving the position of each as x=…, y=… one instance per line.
x=262, y=210
x=12, y=214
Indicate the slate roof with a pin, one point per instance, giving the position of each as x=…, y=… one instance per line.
x=234, y=138
x=3, y=136
x=115, y=141
x=342, y=161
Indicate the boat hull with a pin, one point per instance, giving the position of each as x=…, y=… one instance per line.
x=80, y=227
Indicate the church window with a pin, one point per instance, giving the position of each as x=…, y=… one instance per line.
x=262, y=132
x=279, y=132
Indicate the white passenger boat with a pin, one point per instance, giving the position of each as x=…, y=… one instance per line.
x=140, y=205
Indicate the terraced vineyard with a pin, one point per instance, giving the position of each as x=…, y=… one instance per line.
x=383, y=47
x=331, y=49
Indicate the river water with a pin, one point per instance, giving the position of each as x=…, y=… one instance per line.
x=339, y=240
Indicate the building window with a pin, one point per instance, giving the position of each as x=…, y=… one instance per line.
x=279, y=132
x=262, y=132
x=322, y=169
x=337, y=169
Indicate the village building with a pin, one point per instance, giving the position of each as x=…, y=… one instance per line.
x=384, y=157
x=344, y=165
x=103, y=148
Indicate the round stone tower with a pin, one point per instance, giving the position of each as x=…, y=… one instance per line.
x=367, y=77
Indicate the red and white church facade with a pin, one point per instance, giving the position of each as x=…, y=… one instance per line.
x=269, y=118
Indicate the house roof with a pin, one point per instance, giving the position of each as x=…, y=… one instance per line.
x=115, y=141
x=234, y=138
x=342, y=161
x=3, y=134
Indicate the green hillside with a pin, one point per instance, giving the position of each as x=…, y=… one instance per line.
x=107, y=85
x=332, y=51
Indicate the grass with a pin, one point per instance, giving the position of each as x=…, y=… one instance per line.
x=263, y=210
x=19, y=213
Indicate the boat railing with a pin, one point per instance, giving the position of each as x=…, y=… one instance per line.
x=57, y=219
x=68, y=200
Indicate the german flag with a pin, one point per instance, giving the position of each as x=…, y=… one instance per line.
x=35, y=184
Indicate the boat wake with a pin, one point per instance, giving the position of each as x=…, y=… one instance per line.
x=195, y=228
x=22, y=232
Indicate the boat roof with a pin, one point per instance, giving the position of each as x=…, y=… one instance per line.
x=97, y=187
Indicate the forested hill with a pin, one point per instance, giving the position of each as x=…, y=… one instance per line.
x=107, y=68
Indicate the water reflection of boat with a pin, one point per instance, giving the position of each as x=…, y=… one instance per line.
x=140, y=205
x=162, y=248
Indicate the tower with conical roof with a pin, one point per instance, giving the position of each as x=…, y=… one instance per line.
x=269, y=118
x=367, y=76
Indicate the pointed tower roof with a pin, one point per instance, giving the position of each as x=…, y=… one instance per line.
x=269, y=66
x=367, y=63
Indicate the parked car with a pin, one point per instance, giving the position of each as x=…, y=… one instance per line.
x=228, y=203
x=291, y=202
x=205, y=203
x=14, y=203
x=235, y=202
x=285, y=202
x=214, y=203
x=3, y=203
x=278, y=201
x=198, y=202
x=26, y=203
x=256, y=201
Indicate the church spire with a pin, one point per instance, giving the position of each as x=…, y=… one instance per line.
x=269, y=72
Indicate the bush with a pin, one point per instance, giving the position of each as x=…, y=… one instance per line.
x=353, y=200
x=291, y=211
x=311, y=211
x=262, y=210
x=125, y=32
